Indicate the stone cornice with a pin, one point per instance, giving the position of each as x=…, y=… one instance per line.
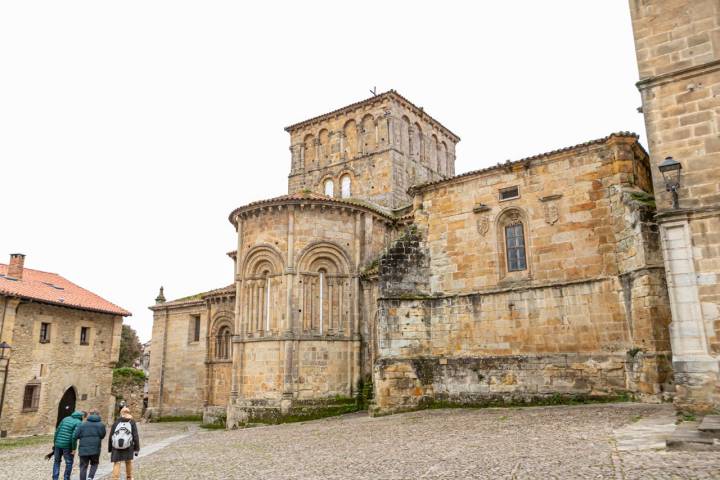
x=390, y=94
x=681, y=74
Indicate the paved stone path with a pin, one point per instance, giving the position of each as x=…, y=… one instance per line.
x=615, y=441
x=27, y=462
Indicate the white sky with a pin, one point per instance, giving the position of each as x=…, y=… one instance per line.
x=130, y=130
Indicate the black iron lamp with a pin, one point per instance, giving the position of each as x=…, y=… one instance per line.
x=670, y=169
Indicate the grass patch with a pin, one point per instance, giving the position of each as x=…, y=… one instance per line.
x=213, y=426
x=179, y=418
x=7, y=443
x=128, y=374
x=685, y=417
x=305, y=414
x=555, y=399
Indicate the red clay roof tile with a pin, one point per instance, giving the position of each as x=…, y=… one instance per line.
x=52, y=288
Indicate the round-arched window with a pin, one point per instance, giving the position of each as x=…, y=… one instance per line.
x=345, y=186
x=329, y=187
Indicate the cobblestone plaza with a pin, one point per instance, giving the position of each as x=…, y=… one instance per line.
x=564, y=442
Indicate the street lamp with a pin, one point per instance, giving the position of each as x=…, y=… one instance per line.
x=4, y=346
x=670, y=169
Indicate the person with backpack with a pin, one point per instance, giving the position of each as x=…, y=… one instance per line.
x=64, y=444
x=123, y=444
x=90, y=435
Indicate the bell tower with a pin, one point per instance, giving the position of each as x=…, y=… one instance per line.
x=373, y=150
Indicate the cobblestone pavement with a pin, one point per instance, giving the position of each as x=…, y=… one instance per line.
x=522, y=443
x=577, y=442
x=27, y=462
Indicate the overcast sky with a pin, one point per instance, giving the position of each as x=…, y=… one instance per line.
x=130, y=130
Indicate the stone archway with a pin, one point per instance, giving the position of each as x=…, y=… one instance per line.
x=66, y=405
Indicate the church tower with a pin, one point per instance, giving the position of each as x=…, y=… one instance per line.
x=373, y=150
x=678, y=53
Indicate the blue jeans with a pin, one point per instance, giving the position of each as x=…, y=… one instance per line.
x=60, y=455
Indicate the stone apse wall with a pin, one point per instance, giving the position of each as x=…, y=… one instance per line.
x=299, y=309
x=59, y=365
x=587, y=316
x=678, y=53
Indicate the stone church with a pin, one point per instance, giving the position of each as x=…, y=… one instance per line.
x=535, y=278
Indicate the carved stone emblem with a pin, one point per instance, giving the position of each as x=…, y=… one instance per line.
x=483, y=225
x=552, y=214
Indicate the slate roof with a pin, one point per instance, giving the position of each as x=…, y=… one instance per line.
x=52, y=288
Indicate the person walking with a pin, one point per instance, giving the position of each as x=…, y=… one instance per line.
x=90, y=435
x=64, y=444
x=123, y=444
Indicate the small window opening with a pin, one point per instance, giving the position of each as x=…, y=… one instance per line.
x=84, y=335
x=44, y=332
x=509, y=193
x=31, y=397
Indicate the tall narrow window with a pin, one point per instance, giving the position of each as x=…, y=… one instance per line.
x=267, y=303
x=322, y=299
x=44, y=332
x=31, y=397
x=515, y=247
x=84, y=335
x=329, y=188
x=196, y=328
x=345, y=186
x=222, y=344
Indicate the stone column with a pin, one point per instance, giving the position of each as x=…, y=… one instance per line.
x=696, y=370
x=290, y=324
x=238, y=346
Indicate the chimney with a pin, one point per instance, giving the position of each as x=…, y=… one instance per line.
x=15, y=267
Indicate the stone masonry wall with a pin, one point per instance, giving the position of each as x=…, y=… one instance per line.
x=59, y=365
x=588, y=316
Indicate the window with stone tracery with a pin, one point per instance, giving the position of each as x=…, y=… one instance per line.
x=513, y=243
x=515, y=247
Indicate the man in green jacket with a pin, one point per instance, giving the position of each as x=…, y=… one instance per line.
x=64, y=444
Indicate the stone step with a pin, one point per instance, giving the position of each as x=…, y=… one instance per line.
x=711, y=425
x=687, y=437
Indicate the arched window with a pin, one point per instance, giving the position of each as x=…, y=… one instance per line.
x=515, y=247
x=329, y=187
x=345, y=186
x=222, y=344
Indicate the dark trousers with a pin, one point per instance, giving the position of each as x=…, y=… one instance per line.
x=92, y=461
x=60, y=455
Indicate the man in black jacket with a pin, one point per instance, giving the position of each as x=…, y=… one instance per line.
x=90, y=435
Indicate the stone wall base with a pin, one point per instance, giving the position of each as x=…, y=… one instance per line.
x=697, y=386
x=408, y=383
x=243, y=412
x=154, y=413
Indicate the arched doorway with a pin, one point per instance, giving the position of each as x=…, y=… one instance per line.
x=67, y=404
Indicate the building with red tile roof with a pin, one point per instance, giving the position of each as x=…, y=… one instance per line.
x=62, y=342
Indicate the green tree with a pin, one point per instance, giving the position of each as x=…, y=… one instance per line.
x=130, y=347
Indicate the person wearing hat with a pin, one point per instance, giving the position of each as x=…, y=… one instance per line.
x=123, y=444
